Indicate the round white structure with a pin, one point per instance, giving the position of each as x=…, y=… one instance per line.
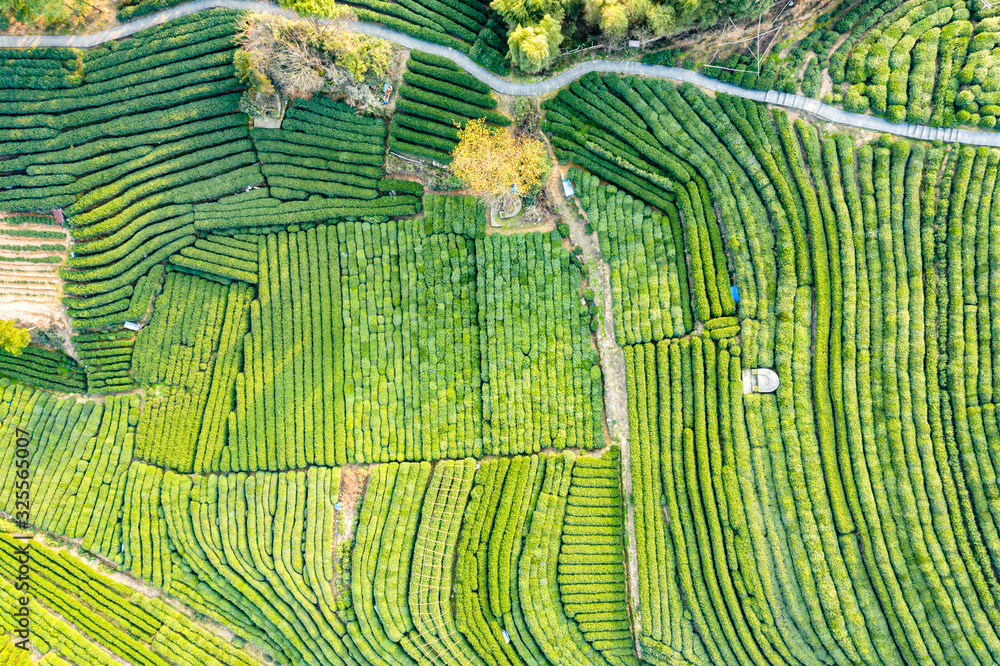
x=760, y=380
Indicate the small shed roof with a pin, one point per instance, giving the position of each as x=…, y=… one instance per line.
x=760, y=380
x=767, y=380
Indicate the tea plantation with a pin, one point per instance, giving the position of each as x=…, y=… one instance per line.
x=929, y=62
x=360, y=426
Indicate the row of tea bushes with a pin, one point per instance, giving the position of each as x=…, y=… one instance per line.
x=187, y=352
x=921, y=61
x=82, y=616
x=872, y=299
x=469, y=26
x=274, y=566
x=436, y=95
x=323, y=147
x=45, y=368
x=591, y=564
x=646, y=254
x=107, y=358
x=78, y=453
x=542, y=381
x=528, y=588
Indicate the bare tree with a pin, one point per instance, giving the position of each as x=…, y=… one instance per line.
x=284, y=50
x=307, y=56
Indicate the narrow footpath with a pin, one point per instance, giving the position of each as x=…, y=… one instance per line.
x=797, y=102
x=612, y=360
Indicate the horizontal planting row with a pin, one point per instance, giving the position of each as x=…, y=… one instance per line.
x=266, y=567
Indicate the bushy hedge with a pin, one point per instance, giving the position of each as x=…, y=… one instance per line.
x=529, y=306
x=347, y=149
x=471, y=28
x=381, y=561
x=420, y=124
x=648, y=264
x=404, y=134
x=203, y=31
x=444, y=82
x=558, y=636
x=432, y=576
x=168, y=431
x=270, y=212
x=387, y=185
x=214, y=264
x=45, y=368
x=449, y=104
x=435, y=100
x=476, y=582
x=133, y=11
x=301, y=577
x=596, y=601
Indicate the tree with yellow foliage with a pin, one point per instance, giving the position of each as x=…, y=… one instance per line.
x=496, y=165
x=618, y=17
x=13, y=340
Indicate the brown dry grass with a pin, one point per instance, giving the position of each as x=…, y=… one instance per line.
x=797, y=22
x=84, y=17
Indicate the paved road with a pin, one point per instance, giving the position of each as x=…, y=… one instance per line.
x=797, y=102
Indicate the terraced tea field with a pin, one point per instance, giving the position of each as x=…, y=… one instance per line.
x=348, y=424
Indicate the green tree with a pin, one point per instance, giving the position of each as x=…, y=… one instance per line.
x=528, y=12
x=13, y=340
x=533, y=47
x=661, y=19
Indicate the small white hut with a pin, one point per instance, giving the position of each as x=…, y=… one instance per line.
x=760, y=380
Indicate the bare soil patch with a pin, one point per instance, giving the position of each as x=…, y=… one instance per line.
x=43, y=313
x=30, y=292
x=353, y=480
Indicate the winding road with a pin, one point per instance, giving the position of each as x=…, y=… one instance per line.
x=796, y=102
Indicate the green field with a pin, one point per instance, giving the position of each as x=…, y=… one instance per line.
x=357, y=427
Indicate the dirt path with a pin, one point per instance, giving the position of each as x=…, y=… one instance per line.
x=615, y=396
